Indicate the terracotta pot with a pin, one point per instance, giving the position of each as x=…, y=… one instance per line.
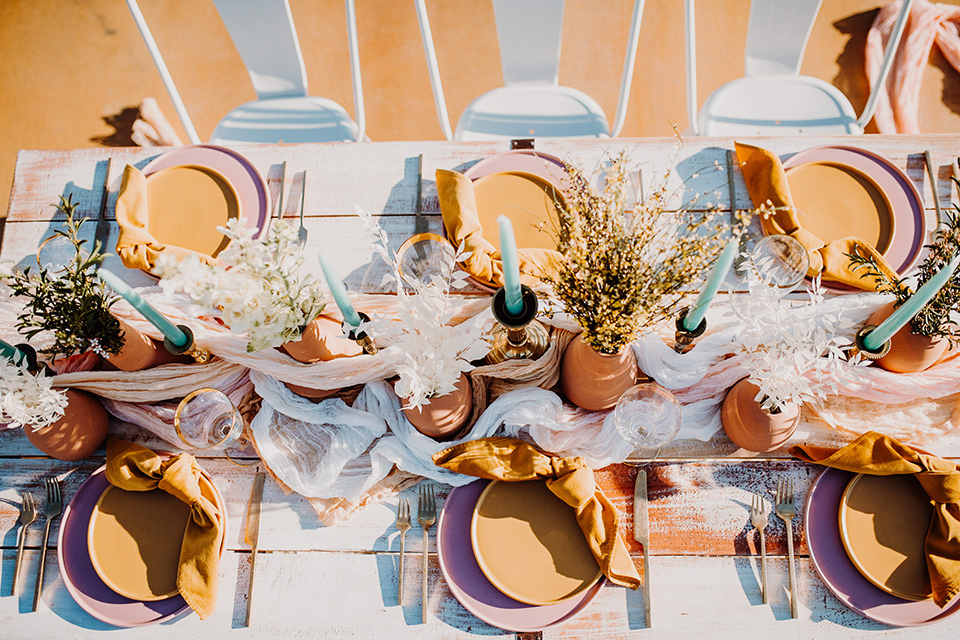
x=322, y=340
x=594, y=380
x=78, y=434
x=140, y=351
x=752, y=428
x=445, y=416
x=908, y=351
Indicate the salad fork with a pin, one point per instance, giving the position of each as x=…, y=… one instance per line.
x=787, y=510
x=50, y=510
x=426, y=516
x=28, y=514
x=758, y=518
x=302, y=233
x=403, y=525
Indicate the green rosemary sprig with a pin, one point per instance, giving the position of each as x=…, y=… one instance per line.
x=72, y=304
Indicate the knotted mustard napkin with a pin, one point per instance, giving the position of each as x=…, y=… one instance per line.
x=136, y=468
x=136, y=246
x=458, y=204
x=876, y=454
x=767, y=183
x=568, y=478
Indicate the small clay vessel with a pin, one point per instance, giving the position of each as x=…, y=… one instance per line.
x=140, y=351
x=444, y=417
x=751, y=427
x=78, y=434
x=909, y=351
x=321, y=341
x=594, y=380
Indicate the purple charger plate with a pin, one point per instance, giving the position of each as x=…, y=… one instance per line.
x=910, y=224
x=822, y=523
x=81, y=579
x=470, y=586
x=242, y=175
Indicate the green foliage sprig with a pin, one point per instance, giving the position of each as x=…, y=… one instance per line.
x=626, y=268
x=933, y=319
x=71, y=304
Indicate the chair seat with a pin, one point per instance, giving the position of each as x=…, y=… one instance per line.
x=289, y=119
x=532, y=111
x=777, y=105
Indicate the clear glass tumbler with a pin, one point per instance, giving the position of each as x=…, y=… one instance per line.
x=648, y=417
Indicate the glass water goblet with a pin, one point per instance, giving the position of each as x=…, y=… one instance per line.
x=778, y=264
x=424, y=257
x=648, y=417
x=207, y=419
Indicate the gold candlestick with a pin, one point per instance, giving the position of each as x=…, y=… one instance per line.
x=520, y=336
x=361, y=337
x=685, y=338
x=190, y=348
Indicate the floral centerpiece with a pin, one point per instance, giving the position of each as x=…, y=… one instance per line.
x=625, y=268
x=256, y=286
x=933, y=329
x=71, y=304
x=432, y=381
x=794, y=354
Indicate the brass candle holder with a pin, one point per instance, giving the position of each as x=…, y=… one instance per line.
x=685, y=338
x=362, y=338
x=861, y=349
x=190, y=348
x=520, y=336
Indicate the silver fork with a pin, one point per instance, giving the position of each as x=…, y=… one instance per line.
x=28, y=514
x=426, y=516
x=403, y=525
x=758, y=518
x=302, y=234
x=787, y=510
x=50, y=510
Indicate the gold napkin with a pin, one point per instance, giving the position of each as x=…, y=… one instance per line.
x=569, y=478
x=876, y=454
x=137, y=248
x=136, y=468
x=458, y=204
x=767, y=183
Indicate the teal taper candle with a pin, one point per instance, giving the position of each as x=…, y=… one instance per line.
x=339, y=294
x=169, y=330
x=711, y=286
x=511, y=267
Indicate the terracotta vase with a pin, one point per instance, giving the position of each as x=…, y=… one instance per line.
x=78, y=434
x=908, y=351
x=445, y=416
x=751, y=427
x=321, y=341
x=140, y=351
x=594, y=380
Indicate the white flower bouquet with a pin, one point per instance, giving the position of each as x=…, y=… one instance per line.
x=255, y=287
x=28, y=400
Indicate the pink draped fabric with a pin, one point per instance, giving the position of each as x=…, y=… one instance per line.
x=928, y=23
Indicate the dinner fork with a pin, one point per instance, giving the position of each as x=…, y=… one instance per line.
x=302, y=233
x=28, y=514
x=426, y=516
x=787, y=510
x=50, y=510
x=758, y=518
x=403, y=525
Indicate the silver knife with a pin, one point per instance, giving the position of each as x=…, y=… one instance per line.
x=641, y=533
x=252, y=534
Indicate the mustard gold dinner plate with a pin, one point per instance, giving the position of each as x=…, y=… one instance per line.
x=186, y=205
x=836, y=200
x=528, y=200
x=134, y=540
x=528, y=544
x=883, y=525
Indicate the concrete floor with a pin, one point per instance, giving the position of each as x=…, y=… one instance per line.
x=72, y=69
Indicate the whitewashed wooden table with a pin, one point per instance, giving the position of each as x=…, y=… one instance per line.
x=341, y=581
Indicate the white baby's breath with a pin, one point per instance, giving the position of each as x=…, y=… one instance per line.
x=27, y=400
x=793, y=352
x=435, y=352
x=255, y=287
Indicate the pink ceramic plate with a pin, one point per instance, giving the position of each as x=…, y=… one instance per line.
x=239, y=172
x=822, y=524
x=470, y=586
x=550, y=168
x=81, y=579
x=908, y=211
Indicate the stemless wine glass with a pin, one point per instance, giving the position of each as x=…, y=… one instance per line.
x=56, y=252
x=425, y=256
x=206, y=418
x=648, y=417
x=778, y=264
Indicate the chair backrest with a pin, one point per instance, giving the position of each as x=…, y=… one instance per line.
x=777, y=35
x=529, y=36
x=264, y=35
